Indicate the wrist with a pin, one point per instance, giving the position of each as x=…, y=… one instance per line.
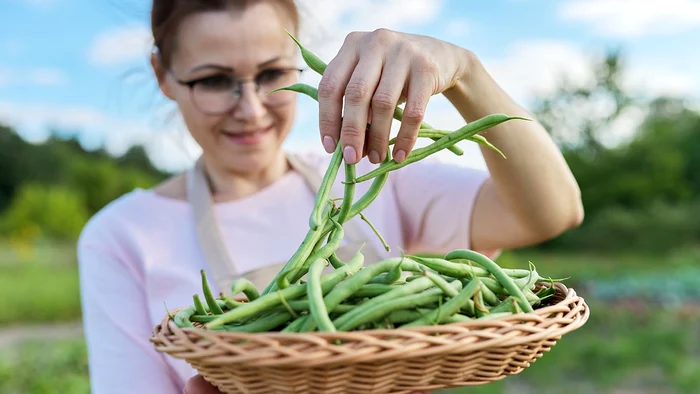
x=469, y=65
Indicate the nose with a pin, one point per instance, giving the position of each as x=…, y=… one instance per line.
x=250, y=106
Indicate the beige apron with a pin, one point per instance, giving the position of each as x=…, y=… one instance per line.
x=222, y=270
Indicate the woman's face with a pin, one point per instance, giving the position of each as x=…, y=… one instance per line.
x=239, y=130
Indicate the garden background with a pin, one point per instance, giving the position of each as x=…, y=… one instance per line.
x=615, y=82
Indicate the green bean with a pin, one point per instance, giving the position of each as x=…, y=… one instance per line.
x=495, y=270
x=441, y=283
x=182, y=317
x=376, y=232
x=298, y=258
x=416, y=286
x=335, y=261
x=199, y=308
x=311, y=60
x=480, y=139
x=448, y=140
x=407, y=315
x=373, y=290
x=398, y=115
x=208, y=296
x=246, y=287
x=291, y=292
x=450, y=307
x=372, y=311
x=263, y=324
x=349, y=193
x=449, y=268
x=317, y=307
x=325, y=188
x=295, y=326
x=323, y=253
x=347, y=288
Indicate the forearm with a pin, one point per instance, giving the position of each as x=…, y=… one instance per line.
x=533, y=182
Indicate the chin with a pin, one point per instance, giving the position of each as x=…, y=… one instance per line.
x=252, y=161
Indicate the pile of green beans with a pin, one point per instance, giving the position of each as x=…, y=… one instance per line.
x=404, y=291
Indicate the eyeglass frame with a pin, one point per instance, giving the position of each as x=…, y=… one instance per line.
x=238, y=83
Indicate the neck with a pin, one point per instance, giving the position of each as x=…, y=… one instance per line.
x=227, y=185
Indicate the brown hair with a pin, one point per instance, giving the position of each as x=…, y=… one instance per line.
x=167, y=15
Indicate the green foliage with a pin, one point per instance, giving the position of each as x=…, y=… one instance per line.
x=642, y=192
x=54, y=187
x=57, y=211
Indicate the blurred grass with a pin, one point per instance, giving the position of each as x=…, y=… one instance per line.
x=38, y=284
x=45, y=367
x=641, y=349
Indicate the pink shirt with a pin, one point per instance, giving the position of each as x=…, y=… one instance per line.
x=141, y=251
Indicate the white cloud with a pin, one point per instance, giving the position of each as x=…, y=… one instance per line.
x=651, y=79
x=121, y=45
x=536, y=67
x=33, y=77
x=456, y=28
x=633, y=18
x=169, y=147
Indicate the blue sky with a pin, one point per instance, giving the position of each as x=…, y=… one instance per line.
x=82, y=65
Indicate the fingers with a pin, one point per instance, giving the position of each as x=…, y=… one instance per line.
x=197, y=385
x=358, y=95
x=420, y=87
x=330, y=96
x=383, y=104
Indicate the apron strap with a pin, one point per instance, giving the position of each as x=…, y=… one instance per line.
x=216, y=254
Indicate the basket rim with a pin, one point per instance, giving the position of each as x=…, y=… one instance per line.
x=566, y=315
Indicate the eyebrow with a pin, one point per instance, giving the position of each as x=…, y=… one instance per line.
x=230, y=69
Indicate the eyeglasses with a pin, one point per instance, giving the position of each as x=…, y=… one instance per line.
x=220, y=93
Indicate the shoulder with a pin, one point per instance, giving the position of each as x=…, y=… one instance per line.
x=125, y=217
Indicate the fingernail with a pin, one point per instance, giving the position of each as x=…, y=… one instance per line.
x=374, y=156
x=349, y=154
x=328, y=144
x=400, y=156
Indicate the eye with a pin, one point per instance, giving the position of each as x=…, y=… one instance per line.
x=270, y=75
x=215, y=82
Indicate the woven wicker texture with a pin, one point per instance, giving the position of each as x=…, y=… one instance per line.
x=375, y=361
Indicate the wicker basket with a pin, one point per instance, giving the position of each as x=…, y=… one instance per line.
x=375, y=361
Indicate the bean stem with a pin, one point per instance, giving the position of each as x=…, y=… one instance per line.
x=495, y=270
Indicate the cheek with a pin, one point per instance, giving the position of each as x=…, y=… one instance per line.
x=285, y=117
x=200, y=126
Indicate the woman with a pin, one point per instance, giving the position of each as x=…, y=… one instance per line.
x=243, y=208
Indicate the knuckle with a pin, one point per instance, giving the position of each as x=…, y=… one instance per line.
x=381, y=35
x=326, y=124
x=377, y=140
x=414, y=114
x=352, y=132
x=406, y=139
x=423, y=64
x=383, y=102
x=356, y=91
x=327, y=88
x=353, y=37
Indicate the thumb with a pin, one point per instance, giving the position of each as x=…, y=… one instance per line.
x=197, y=385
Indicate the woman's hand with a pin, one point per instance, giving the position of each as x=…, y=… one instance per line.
x=197, y=385
x=374, y=72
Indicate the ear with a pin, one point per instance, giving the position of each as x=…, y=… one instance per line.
x=161, y=75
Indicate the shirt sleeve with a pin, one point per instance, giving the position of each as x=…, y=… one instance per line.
x=117, y=327
x=436, y=201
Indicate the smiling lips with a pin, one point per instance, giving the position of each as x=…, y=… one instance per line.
x=247, y=137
